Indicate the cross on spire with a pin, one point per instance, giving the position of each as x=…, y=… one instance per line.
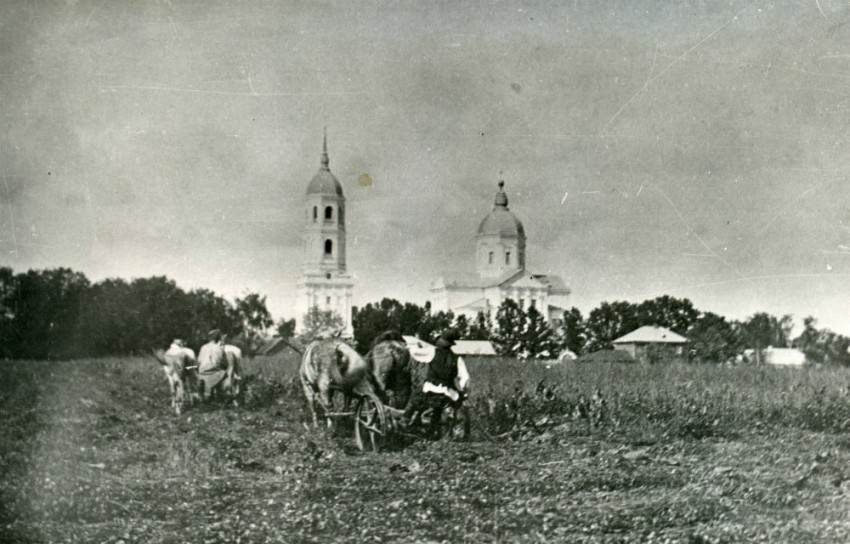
x=325, y=159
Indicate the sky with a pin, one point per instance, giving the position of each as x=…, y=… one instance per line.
x=694, y=148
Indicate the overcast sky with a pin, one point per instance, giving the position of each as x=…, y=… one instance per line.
x=695, y=148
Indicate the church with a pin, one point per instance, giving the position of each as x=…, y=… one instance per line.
x=500, y=273
x=324, y=282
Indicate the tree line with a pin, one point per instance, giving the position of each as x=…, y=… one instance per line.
x=524, y=333
x=59, y=313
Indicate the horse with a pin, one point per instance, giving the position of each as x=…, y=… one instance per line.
x=220, y=368
x=392, y=366
x=329, y=365
x=234, y=369
x=181, y=370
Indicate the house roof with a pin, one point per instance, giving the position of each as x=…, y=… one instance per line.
x=423, y=352
x=278, y=344
x=473, y=347
x=649, y=334
x=784, y=356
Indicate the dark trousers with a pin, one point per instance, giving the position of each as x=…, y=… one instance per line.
x=419, y=402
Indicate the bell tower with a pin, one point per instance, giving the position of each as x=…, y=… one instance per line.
x=324, y=282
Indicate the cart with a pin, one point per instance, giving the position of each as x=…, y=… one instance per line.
x=455, y=423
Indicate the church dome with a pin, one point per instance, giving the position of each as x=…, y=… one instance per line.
x=501, y=222
x=324, y=182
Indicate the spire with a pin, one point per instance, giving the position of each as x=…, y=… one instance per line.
x=325, y=159
x=501, y=200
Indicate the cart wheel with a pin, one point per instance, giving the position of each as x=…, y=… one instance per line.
x=370, y=423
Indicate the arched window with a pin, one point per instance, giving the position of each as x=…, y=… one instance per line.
x=315, y=213
x=329, y=213
x=490, y=258
x=507, y=257
x=329, y=247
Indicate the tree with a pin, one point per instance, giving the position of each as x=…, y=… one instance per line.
x=106, y=327
x=433, y=324
x=665, y=311
x=8, y=310
x=574, y=334
x=286, y=328
x=510, y=323
x=712, y=339
x=809, y=340
x=373, y=319
x=822, y=346
x=608, y=322
x=47, y=307
x=537, y=338
x=255, y=320
x=321, y=324
x=208, y=311
x=481, y=328
x=461, y=325
x=763, y=330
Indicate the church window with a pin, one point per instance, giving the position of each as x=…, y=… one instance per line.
x=329, y=247
x=315, y=213
x=507, y=257
x=490, y=258
x=328, y=275
x=327, y=301
x=329, y=213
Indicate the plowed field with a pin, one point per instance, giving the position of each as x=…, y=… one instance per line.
x=90, y=452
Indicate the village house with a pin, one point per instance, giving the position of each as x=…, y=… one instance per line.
x=650, y=344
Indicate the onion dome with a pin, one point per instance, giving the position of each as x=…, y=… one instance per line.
x=324, y=182
x=501, y=222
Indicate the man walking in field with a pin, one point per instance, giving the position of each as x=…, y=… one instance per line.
x=212, y=362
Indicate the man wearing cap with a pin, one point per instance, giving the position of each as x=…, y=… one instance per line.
x=445, y=376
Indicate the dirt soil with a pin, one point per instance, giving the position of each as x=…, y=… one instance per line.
x=91, y=453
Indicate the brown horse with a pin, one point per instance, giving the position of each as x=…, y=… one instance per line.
x=329, y=365
x=392, y=367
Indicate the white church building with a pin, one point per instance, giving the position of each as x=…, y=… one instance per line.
x=500, y=272
x=324, y=282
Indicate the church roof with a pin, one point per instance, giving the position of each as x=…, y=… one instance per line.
x=471, y=280
x=479, y=305
x=501, y=221
x=556, y=283
x=324, y=182
x=521, y=278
